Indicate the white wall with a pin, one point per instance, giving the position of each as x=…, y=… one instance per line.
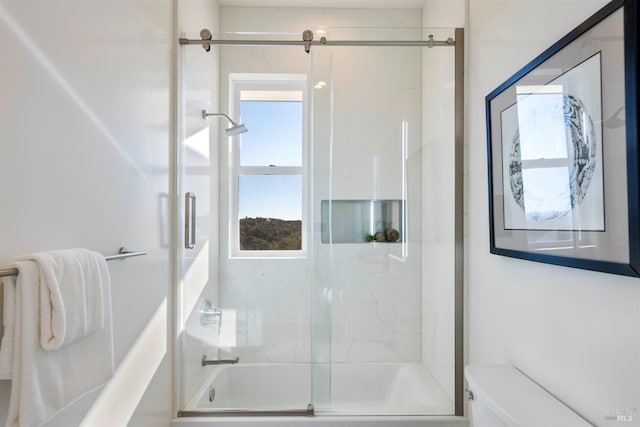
x=575, y=332
x=84, y=162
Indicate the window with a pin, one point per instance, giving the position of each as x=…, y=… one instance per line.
x=268, y=167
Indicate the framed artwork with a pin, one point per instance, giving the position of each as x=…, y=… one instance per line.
x=562, y=141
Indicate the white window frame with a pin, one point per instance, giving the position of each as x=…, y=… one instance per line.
x=281, y=87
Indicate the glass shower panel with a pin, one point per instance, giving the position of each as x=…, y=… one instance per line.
x=260, y=313
x=373, y=349
x=371, y=158
x=199, y=264
x=321, y=286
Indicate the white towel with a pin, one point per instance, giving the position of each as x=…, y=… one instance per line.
x=58, y=360
x=72, y=280
x=8, y=322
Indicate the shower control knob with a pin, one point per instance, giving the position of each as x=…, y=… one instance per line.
x=209, y=315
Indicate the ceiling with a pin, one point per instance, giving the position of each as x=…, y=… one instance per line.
x=364, y=4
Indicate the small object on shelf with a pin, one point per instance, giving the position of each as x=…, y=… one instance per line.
x=358, y=221
x=391, y=234
x=388, y=235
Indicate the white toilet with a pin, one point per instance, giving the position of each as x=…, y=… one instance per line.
x=500, y=395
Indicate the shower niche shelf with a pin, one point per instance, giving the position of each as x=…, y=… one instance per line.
x=358, y=221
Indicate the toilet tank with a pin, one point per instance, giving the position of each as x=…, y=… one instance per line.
x=500, y=395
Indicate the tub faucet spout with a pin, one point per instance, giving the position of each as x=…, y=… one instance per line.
x=206, y=361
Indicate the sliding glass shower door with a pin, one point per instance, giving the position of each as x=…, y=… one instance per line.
x=383, y=303
x=314, y=280
x=247, y=342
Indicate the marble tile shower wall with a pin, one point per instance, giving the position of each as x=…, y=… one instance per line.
x=375, y=306
x=372, y=290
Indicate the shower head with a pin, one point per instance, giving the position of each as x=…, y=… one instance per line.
x=235, y=129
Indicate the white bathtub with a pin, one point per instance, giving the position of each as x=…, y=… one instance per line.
x=362, y=394
x=254, y=386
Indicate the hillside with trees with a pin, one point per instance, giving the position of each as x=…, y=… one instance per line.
x=270, y=234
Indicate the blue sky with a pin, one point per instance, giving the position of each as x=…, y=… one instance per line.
x=275, y=133
x=274, y=138
x=270, y=196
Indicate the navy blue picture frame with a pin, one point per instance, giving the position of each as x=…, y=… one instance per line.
x=508, y=243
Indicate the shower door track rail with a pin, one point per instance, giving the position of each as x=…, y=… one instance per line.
x=406, y=43
x=206, y=41
x=309, y=412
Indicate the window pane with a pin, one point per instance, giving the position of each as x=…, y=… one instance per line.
x=275, y=133
x=270, y=212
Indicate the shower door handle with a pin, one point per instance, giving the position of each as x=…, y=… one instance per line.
x=189, y=220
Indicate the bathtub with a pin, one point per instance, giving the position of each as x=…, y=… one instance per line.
x=362, y=394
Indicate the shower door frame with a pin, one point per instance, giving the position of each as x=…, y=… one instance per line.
x=459, y=222
x=459, y=141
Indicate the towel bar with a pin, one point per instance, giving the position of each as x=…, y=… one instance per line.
x=122, y=254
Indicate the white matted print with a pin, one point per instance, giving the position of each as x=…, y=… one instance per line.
x=552, y=153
